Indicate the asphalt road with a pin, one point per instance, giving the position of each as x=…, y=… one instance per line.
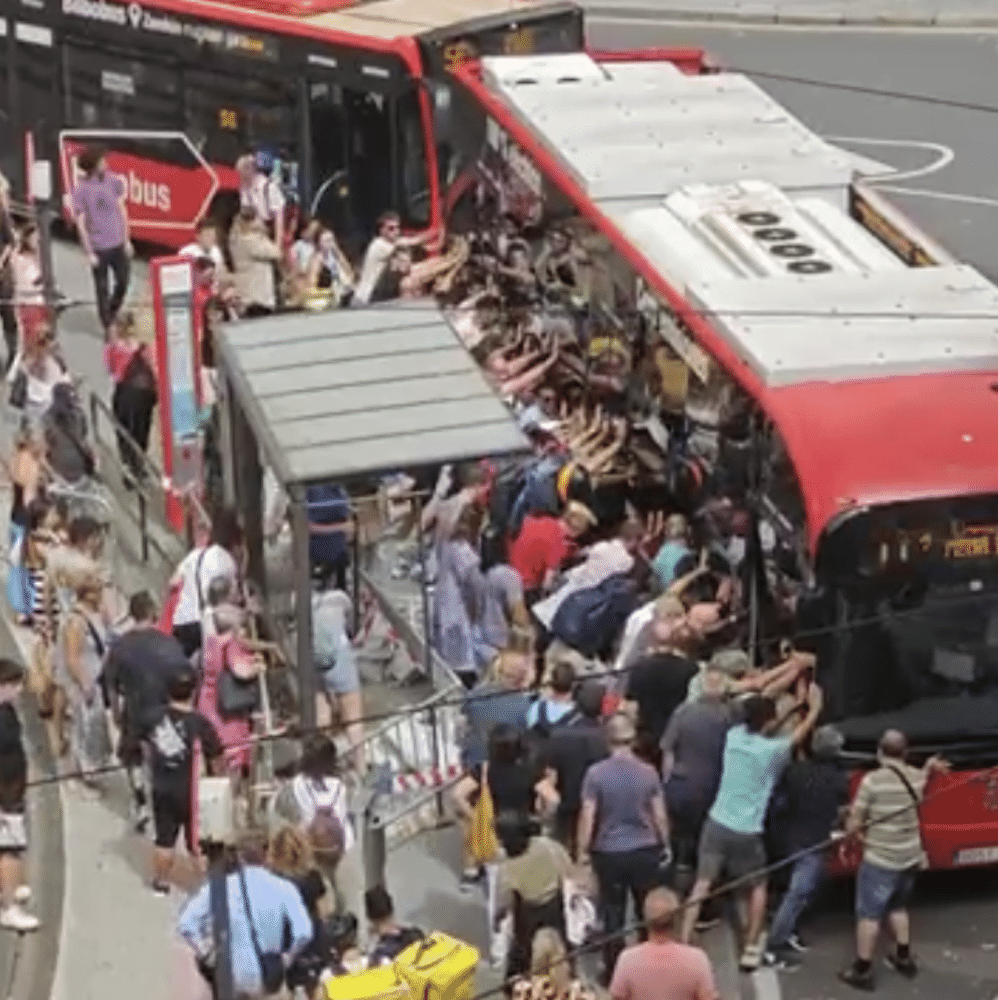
x=956, y=936
x=959, y=206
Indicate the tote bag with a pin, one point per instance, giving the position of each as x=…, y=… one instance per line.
x=481, y=842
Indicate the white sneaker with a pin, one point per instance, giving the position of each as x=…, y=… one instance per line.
x=22, y=894
x=16, y=918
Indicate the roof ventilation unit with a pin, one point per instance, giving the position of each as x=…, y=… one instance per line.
x=784, y=242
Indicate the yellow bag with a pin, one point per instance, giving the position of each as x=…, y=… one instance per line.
x=383, y=983
x=438, y=968
x=481, y=842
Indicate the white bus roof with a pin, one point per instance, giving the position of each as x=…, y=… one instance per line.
x=743, y=209
x=634, y=132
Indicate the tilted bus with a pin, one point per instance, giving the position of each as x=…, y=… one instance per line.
x=773, y=274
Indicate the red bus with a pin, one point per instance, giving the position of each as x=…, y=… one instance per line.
x=338, y=92
x=809, y=343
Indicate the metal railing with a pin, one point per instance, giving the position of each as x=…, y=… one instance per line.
x=142, y=499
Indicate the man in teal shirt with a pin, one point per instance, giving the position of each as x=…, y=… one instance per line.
x=731, y=841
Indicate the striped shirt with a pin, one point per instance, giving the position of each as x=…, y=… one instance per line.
x=97, y=200
x=892, y=835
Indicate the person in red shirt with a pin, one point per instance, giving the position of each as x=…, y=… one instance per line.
x=543, y=545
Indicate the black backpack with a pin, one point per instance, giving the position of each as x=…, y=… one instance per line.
x=543, y=728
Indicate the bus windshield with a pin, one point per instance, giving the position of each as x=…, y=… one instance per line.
x=916, y=642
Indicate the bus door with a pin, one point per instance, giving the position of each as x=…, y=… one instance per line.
x=228, y=113
x=34, y=98
x=331, y=187
x=368, y=150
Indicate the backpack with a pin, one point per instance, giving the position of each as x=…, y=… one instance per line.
x=543, y=728
x=590, y=620
x=506, y=489
x=326, y=833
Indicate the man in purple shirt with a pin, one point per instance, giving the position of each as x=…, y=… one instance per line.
x=102, y=222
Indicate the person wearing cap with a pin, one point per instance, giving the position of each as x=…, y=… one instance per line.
x=544, y=544
x=260, y=191
x=732, y=837
x=623, y=831
x=807, y=808
x=692, y=754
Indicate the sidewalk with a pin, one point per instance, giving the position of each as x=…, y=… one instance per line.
x=868, y=13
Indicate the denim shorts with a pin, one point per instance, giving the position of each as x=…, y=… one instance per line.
x=342, y=676
x=880, y=890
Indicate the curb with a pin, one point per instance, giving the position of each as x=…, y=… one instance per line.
x=32, y=959
x=777, y=18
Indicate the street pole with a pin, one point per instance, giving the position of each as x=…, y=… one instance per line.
x=40, y=191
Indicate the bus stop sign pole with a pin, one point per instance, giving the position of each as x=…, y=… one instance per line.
x=177, y=342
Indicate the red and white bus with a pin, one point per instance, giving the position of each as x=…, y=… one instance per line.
x=857, y=356
x=338, y=92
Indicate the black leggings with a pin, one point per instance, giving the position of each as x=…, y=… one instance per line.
x=133, y=409
x=189, y=637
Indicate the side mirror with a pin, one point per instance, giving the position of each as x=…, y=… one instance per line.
x=443, y=123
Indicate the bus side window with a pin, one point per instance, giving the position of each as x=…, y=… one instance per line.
x=118, y=90
x=411, y=172
x=227, y=115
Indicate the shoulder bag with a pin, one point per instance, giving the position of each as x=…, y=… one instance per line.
x=236, y=698
x=481, y=843
x=923, y=861
x=271, y=962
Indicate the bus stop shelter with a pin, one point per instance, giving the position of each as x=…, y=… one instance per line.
x=341, y=397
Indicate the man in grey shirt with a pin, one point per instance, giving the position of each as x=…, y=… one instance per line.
x=692, y=756
x=623, y=828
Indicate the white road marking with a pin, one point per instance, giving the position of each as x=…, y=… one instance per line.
x=767, y=985
x=944, y=154
x=966, y=199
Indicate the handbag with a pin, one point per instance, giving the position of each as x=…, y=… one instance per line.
x=481, y=842
x=18, y=398
x=138, y=373
x=235, y=698
x=271, y=962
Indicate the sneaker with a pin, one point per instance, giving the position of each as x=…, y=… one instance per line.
x=470, y=879
x=22, y=894
x=161, y=889
x=795, y=943
x=858, y=980
x=16, y=918
x=783, y=960
x=751, y=957
x=902, y=966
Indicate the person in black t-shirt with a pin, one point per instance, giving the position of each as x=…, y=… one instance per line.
x=657, y=683
x=390, y=938
x=570, y=752
x=171, y=737
x=13, y=784
x=137, y=670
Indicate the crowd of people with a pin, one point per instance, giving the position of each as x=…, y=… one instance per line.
x=625, y=736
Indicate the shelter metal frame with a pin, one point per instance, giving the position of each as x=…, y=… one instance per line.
x=341, y=397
